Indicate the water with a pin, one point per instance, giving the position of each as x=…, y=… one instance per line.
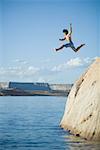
x=32, y=123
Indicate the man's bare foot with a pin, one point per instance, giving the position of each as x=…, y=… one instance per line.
x=55, y=49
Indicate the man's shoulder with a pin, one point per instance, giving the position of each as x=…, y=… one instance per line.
x=69, y=34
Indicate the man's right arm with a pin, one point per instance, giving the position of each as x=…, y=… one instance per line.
x=62, y=39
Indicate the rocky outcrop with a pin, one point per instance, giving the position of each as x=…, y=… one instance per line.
x=82, y=111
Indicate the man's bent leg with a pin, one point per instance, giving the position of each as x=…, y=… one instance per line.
x=77, y=49
x=72, y=46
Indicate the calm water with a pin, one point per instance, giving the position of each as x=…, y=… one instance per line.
x=32, y=123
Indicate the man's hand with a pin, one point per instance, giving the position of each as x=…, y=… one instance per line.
x=70, y=24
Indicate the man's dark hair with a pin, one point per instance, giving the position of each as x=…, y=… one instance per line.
x=65, y=31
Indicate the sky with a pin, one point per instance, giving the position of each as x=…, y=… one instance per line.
x=30, y=30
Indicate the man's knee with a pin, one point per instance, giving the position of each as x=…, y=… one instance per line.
x=73, y=48
x=63, y=46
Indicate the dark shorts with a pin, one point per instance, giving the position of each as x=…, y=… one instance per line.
x=70, y=45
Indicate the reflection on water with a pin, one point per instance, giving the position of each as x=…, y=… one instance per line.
x=32, y=123
x=77, y=143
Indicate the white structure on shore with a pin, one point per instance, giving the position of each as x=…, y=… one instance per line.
x=82, y=111
x=4, y=85
x=61, y=87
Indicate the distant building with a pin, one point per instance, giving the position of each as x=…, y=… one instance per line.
x=29, y=86
x=4, y=85
x=61, y=87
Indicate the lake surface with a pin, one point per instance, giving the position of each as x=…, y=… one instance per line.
x=32, y=123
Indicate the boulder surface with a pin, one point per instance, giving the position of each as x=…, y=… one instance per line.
x=82, y=110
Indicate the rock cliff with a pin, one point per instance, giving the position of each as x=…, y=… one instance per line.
x=82, y=111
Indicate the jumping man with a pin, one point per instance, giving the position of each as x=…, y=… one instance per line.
x=67, y=37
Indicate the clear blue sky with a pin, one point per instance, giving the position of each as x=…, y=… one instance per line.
x=30, y=29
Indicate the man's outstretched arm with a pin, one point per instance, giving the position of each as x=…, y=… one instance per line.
x=62, y=39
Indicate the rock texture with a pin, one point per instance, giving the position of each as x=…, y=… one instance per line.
x=82, y=111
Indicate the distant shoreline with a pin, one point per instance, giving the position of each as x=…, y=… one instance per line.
x=34, y=89
x=17, y=92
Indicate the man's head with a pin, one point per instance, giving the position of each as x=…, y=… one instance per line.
x=65, y=31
